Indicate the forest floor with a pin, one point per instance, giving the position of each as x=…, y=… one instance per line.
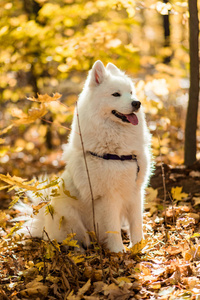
x=166, y=265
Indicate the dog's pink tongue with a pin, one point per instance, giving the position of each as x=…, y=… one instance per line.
x=132, y=119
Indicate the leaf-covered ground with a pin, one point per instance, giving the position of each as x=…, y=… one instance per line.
x=168, y=266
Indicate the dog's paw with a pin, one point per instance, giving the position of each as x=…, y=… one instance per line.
x=117, y=248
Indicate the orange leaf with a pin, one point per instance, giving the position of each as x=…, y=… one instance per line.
x=32, y=116
x=45, y=98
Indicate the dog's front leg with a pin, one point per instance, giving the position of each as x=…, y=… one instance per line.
x=108, y=224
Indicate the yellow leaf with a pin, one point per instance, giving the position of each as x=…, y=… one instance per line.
x=115, y=232
x=40, y=265
x=4, y=150
x=32, y=116
x=123, y=279
x=49, y=210
x=60, y=222
x=155, y=286
x=36, y=208
x=177, y=193
x=78, y=259
x=3, y=218
x=138, y=247
x=45, y=98
x=5, y=130
x=17, y=182
x=4, y=187
x=196, y=234
x=14, y=229
x=151, y=194
x=14, y=201
x=66, y=192
x=2, y=141
x=70, y=241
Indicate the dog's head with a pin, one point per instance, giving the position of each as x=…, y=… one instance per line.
x=113, y=93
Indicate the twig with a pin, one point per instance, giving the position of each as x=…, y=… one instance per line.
x=86, y=166
x=173, y=210
x=92, y=197
x=164, y=187
x=165, y=193
x=55, y=124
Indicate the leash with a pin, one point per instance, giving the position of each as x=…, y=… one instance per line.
x=116, y=157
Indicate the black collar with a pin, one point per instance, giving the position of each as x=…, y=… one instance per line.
x=116, y=157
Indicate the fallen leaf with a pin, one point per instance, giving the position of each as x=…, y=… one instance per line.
x=35, y=288
x=84, y=288
x=196, y=200
x=177, y=193
x=123, y=279
x=138, y=247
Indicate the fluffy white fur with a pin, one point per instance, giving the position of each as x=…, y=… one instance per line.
x=117, y=187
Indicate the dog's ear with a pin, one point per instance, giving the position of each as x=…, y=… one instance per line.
x=98, y=73
x=113, y=69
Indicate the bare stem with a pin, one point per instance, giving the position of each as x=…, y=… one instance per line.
x=58, y=125
x=88, y=175
x=164, y=184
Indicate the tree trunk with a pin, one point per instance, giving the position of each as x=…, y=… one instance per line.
x=192, y=111
x=166, y=26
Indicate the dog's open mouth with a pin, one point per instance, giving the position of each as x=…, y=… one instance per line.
x=130, y=118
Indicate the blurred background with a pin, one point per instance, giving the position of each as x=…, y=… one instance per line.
x=49, y=46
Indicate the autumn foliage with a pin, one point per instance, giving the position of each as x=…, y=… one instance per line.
x=47, y=48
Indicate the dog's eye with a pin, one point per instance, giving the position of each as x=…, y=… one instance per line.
x=131, y=93
x=116, y=94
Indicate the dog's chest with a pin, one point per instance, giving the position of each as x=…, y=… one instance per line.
x=113, y=176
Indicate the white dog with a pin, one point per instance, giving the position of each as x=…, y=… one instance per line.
x=117, y=151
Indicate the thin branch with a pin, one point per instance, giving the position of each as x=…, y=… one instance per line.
x=88, y=175
x=58, y=125
x=92, y=197
x=164, y=186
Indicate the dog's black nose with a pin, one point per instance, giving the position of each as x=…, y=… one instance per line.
x=136, y=104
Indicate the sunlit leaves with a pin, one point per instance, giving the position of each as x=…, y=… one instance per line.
x=32, y=185
x=45, y=98
x=32, y=116
x=71, y=241
x=163, y=8
x=19, y=182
